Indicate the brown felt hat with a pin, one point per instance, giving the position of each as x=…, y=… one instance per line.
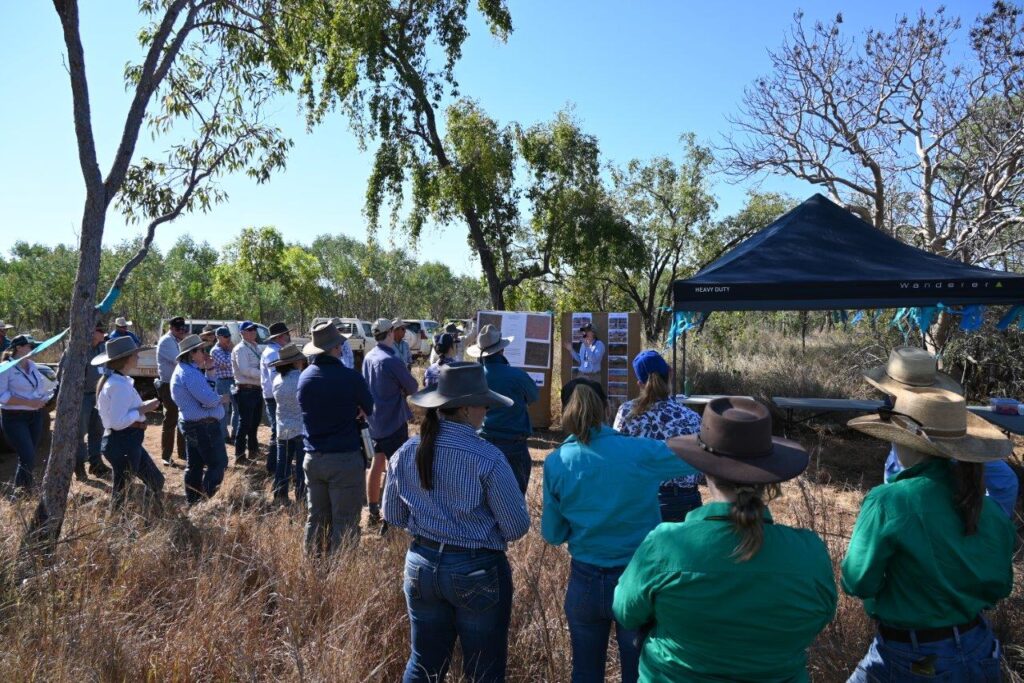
x=325, y=338
x=735, y=443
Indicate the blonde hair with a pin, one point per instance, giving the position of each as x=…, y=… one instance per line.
x=584, y=412
x=653, y=390
x=116, y=366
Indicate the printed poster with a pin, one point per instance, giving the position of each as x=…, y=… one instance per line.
x=618, y=356
x=530, y=335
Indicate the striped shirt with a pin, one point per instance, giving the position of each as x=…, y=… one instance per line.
x=221, y=363
x=193, y=395
x=289, y=414
x=475, y=502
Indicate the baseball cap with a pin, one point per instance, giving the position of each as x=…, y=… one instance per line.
x=223, y=331
x=247, y=325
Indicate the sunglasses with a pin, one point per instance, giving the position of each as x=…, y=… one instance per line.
x=887, y=413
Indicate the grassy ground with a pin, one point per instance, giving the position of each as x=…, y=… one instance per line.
x=223, y=592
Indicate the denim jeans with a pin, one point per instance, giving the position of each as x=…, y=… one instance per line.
x=170, y=434
x=970, y=656
x=125, y=453
x=290, y=454
x=223, y=386
x=335, y=492
x=518, y=455
x=588, y=609
x=249, y=403
x=270, y=408
x=89, y=426
x=206, y=460
x=676, y=501
x=23, y=430
x=464, y=595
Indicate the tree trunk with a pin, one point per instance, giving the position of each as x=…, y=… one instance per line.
x=939, y=334
x=495, y=287
x=45, y=526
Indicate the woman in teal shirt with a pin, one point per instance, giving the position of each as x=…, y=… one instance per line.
x=930, y=551
x=600, y=497
x=728, y=594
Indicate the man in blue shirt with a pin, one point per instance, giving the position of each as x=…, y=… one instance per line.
x=121, y=326
x=507, y=428
x=390, y=382
x=5, y=343
x=332, y=398
x=202, y=410
x=167, y=360
x=400, y=346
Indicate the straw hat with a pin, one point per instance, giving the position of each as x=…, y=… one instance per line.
x=936, y=422
x=460, y=384
x=910, y=367
x=735, y=443
x=119, y=347
x=121, y=321
x=190, y=344
x=4, y=326
x=325, y=338
x=289, y=354
x=488, y=343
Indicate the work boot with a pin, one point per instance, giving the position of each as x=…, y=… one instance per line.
x=241, y=460
x=99, y=470
x=80, y=474
x=375, y=518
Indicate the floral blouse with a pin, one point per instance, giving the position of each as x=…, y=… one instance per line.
x=662, y=421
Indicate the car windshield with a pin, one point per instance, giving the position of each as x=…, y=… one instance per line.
x=430, y=325
x=261, y=334
x=412, y=326
x=367, y=330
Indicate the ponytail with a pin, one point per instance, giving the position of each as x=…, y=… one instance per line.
x=970, y=493
x=114, y=366
x=429, y=430
x=653, y=390
x=747, y=515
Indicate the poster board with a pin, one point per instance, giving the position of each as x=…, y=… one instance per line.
x=622, y=337
x=531, y=350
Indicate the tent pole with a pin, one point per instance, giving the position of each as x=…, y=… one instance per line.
x=684, y=362
x=675, y=368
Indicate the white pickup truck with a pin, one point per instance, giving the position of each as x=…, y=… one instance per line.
x=360, y=339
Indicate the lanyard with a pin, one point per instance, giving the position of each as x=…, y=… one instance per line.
x=30, y=378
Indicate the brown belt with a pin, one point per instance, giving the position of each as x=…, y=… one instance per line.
x=248, y=387
x=926, y=635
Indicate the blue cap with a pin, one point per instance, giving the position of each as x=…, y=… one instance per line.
x=247, y=325
x=647, y=362
x=223, y=331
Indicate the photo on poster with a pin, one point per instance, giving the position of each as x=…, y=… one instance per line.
x=617, y=322
x=538, y=327
x=537, y=354
x=618, y=336
x=617, y=362
x=618, y=349
x=490, y=319
x=617, y=374
x=617, y=389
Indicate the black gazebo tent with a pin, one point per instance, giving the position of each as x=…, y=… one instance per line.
x=819, y=256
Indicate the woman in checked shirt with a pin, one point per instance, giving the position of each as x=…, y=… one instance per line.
x=456, y=494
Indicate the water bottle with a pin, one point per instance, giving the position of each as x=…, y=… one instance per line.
x=368, y=451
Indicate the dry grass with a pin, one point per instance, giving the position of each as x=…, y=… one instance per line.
x=223, y=592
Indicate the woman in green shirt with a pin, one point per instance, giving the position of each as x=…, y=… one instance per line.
x=929, y=550
x=728, y=594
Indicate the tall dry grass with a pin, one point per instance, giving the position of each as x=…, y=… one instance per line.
x=226, y=594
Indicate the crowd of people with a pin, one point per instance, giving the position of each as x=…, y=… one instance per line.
x=695, y=590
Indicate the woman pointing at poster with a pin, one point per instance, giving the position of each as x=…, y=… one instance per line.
x=590, y=354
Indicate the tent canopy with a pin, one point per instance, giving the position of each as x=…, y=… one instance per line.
x=821, y=256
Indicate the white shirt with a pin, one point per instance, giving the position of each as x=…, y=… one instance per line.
x=245, y=362
x=348, y=359
x=21, y=382
x=119, y=405
x=271, y=353
x=166, y=357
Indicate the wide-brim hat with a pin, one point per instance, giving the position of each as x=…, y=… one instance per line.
x=338, y=322
x=209, y=333
x=399, y=323
x=278, y=329
x=122, y=322
x=290, y=353
x=5, y=326
x=735, y=443
x=119, y=347
x=460, y=384
x=325, y=337
x=488, y=342
x=191, y=343
x=936, y=422
x=381, y=326
x=910, y=367
x=24, y=340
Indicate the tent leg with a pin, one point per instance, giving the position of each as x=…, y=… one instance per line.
x=675, y=370
x=685, y=378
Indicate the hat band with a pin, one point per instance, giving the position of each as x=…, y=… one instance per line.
x=910, y=383
x=725, y=454
x=494, y=345
x=945, y=433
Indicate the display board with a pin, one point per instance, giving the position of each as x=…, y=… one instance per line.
x=532, y=336
x=621, y=335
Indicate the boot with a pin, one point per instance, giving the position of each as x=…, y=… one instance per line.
x=80, y=474
x=99, y=470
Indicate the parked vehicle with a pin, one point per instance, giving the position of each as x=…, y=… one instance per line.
x=420, y=336
x=360, y=339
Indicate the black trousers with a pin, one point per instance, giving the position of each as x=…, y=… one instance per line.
x=250, y=410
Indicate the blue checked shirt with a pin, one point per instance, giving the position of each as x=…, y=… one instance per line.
x=221, y=363
x=193, y=395
x=475, y=502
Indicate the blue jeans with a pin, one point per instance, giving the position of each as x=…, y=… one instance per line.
x=249, y=405
x=206, y=459
x=89, y=426
x=588, y=609
x=676, y=501
x=290, y=454
x=23, y=430
x=270, y=406
x=971, y=656
x=464, y=595
x=518, y=455
x=125, y=453
x=223, y=386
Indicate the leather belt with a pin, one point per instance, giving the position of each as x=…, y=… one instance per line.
x=203, y=421
x=926, y=635
x=447, y=547
x=248, y=387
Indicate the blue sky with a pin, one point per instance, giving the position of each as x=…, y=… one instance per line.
x=638, y=74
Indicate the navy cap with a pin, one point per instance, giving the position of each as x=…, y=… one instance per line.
x=647, y=363
x=247, y=325
x=223, y=331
